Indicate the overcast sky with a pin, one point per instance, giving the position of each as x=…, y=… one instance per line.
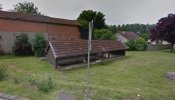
x=116, y=11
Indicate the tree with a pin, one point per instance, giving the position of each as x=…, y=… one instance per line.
x=39, y=45
x=103, y=34
x=26, y=7
x=88, y=15
x=164, y=30
x=145, y=36
x=113, y=28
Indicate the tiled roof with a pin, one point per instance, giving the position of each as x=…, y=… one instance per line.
x=129, y=35
x=68, y=48
x=35, y=18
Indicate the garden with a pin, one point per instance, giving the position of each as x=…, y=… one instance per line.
x=139, y=73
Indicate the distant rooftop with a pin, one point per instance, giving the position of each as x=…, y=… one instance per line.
x=36, y=18
x=129, y=35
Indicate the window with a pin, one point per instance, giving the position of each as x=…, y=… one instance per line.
x=17, y=37
x=0, y=38
x=72, y=38
x=53, y=38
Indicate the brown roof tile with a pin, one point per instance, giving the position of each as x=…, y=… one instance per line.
x=129, y=35
x=35, y=18
x=67, y=48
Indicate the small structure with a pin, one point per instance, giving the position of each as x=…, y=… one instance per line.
x=72, y=52
x=125, y=36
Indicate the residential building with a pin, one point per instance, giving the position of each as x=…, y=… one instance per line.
x=124, y=36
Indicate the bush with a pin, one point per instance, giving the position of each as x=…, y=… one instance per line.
x=131, y=45
x=137, y=45
x=39, y=45
x=45, y=85
x=22, y=46
x=50, y=83
x=140, y=44
x=32, y=79
x=3, y=72
x=16, y=81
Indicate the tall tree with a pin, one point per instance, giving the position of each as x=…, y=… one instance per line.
x=138, y=28
x=88, y=15
x=103, y=34
x=26, y=7
x=164, y=30
x=113, y=28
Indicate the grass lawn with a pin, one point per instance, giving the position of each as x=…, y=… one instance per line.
x=140, y=73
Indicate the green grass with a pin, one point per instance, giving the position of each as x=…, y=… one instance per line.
x=138, y=73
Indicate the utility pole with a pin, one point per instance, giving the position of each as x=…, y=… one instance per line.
x=88, y=63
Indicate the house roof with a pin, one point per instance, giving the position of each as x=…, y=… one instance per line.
x=35, y=18
x=129, y=35
x=68, y=48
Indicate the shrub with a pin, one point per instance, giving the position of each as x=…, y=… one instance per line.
x=137, y=45
x=22, y=46
x=3, y=72
x=45, y=85
x=32, y=79
x=16, y=81
x=140, y=44
x=131, y=45
x=39, y=45
x=50, y=83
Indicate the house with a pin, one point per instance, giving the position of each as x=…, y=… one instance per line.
x=72, y=52
x=12, y=24
x=158, y=45
x=125, y=36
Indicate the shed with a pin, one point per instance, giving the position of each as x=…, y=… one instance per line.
x=73, y=52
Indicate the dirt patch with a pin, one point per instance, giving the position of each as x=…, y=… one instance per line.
x=65, y=96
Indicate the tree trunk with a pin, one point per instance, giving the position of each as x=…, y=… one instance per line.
x=172, y=47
